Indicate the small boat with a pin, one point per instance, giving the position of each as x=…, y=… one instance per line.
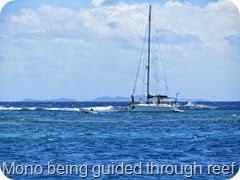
x=154, y=102
x=88, y=111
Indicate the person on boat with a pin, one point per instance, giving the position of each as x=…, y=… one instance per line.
x=132, y=97
x=158, y=100
x=141, y=101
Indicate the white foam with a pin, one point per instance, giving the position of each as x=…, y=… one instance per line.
x=32, y=108
x=28, y=108
x=60, y=109
x=10, y=108
x=35, y=108
x=101, y=108
x=192, y=105
x=96, y=108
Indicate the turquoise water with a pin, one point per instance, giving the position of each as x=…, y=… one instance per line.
x=48, y=135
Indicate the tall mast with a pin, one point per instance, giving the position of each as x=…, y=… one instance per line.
x=149, y=41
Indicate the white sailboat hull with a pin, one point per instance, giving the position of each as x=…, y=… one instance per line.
x=152, y=108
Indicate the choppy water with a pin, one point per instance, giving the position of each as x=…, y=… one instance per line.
x=207, y=133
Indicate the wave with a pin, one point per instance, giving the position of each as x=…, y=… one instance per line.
x=96, y=108
x=59, y=109
x=191, y=105
x=10, y=108
x=101, y=108
x=36, y=108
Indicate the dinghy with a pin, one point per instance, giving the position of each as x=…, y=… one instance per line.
x=88, y=111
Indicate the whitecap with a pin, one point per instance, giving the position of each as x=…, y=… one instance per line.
x=192, y=105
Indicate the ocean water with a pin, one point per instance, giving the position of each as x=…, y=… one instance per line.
x=48, y=140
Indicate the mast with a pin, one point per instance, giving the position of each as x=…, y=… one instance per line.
x=149, y=41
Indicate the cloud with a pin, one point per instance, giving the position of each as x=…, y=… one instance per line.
x=170, y=37
x=97, y=2
x=206, y=23
x=47, y=18
x=233, y=43
x=103, y=42
x=124, y=19
x=103, y=2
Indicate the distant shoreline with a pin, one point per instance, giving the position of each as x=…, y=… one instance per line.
x=111, y=99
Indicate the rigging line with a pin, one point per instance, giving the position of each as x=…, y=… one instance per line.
x=144, y=40
x=155, y=73
x=156, y=65
x=144, y=72
x=164, y=74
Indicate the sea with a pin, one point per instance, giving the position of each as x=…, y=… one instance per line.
x=54, y=140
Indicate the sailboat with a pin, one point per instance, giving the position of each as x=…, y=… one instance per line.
x=162, y=102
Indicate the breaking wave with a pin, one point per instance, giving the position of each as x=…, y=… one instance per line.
x=96, y=108
x=10, y=108
x=101, y=108
x=36, y=108
x=191, y=105
x=59, y=109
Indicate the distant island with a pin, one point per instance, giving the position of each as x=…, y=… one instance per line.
x=99, y=99
x=102, y=99
x=111, y=99
x=50, y=100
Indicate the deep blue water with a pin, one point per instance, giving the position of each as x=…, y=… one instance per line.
x=207, y=133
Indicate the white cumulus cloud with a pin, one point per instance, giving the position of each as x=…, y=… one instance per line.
x=106, y=39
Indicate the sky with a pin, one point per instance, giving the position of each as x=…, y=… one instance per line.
x=85, y=49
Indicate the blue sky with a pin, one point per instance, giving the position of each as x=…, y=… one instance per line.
x=85, y=49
